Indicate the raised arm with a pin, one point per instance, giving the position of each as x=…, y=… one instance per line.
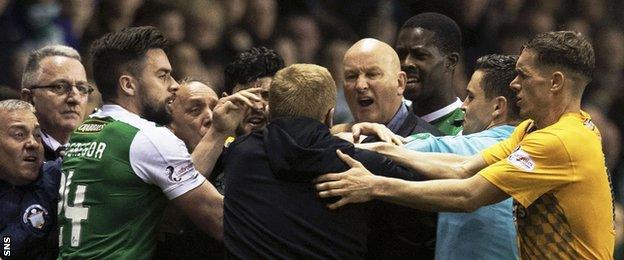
x=227, y=114
x=359, y=185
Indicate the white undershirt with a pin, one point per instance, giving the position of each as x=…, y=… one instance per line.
x=442, y=111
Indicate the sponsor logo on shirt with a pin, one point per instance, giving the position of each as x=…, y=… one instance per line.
x=175, y=173
x=521, y=160
x=35, y=216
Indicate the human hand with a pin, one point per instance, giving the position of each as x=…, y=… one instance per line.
x=381, y=131
x=353, y=186
x=231, y=110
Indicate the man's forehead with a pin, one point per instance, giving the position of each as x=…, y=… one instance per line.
x=18, y=118
x=60, y=67
x=476, y=82
x=416, y=36
x=157, y=59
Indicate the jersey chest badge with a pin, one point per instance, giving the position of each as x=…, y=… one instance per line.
x=35, y=215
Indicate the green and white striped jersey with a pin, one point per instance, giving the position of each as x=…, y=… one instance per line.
x=118, y=172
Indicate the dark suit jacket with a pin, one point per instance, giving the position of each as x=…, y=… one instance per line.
x=400, y=232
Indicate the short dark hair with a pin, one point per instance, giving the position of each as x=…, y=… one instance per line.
x=447, y=36
x=250, y=65
x=565, y=49
x=499, y=71
x=123, y=51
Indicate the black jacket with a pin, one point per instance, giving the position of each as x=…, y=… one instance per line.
x=271, y=206
x=400, y=232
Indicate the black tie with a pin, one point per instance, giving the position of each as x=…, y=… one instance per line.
x=60, y=151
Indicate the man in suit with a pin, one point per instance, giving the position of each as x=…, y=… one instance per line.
x=374, y=85
x=55, y=82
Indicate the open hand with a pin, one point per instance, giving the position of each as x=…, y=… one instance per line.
x=353, y=186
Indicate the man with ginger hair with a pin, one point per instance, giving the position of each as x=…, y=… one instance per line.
x=270, y=202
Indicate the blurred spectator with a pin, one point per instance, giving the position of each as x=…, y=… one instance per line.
x=332, y=60
x=164, y=16
x=261, y=20
x=306, y=35
x=75, y=17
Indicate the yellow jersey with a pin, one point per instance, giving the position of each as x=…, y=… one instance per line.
x=558, y=179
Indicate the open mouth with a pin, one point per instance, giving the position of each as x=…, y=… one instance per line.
x=255, y=121
x=170, y=99
x=30, y=158
x=365, y=102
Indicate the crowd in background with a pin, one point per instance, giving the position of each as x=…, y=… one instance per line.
x=207, y=34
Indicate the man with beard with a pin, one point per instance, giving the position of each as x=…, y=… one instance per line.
x=552, y=165
x=429, y=46
x=253, y=68
x=122, y=164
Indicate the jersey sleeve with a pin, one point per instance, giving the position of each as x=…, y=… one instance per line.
x=539, y=164
x=502, y=149
x=158, y=157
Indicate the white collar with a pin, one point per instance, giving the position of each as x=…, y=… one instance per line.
x=49, y=141
x=442, y=111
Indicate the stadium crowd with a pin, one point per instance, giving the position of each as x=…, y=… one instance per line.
x=193, y=128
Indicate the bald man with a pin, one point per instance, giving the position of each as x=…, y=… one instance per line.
x=192, y=111
x=374, y=85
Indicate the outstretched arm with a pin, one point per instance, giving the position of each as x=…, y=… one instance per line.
x=430, y=165
x=359, y=185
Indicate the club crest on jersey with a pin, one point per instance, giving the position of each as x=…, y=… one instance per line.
x=521, y=160
x=35, y=215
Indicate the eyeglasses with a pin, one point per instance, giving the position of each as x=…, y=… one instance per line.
x=62, y=88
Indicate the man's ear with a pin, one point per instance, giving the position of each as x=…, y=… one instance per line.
x=27, y=95
x=402, y=79
x=127, y=85
x=500, y=106
x=329, y=118
x=452, y=59
x=558, y=78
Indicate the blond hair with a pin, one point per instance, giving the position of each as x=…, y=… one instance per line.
x=302, y=90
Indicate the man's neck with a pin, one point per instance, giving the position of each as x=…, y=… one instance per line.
x=555, y=111
x=60, y=136
x=422, y=107
x=126, y=104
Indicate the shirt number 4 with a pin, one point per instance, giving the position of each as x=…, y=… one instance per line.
x=76, y=213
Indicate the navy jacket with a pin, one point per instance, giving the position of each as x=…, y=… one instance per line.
x=271, y=206
x=28, y=214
